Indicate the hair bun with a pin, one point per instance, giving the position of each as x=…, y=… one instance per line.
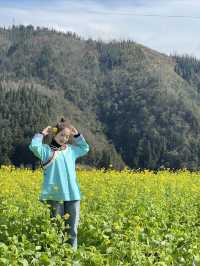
x=63, y=123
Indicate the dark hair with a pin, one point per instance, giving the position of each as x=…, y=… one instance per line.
x=63, y=123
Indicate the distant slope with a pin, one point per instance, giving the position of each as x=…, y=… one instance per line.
x=122, y=93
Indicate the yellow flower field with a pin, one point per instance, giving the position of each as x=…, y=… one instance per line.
x=127, y=218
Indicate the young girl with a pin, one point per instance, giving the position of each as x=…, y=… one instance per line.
x=60, y=188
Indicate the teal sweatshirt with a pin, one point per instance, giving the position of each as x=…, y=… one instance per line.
x=60, y=182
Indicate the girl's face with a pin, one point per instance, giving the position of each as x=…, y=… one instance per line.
x=63, y=136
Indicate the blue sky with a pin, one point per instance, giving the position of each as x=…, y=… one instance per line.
x=115, y=19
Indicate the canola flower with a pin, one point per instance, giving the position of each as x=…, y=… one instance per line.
x=127, y=218
x=54, y=130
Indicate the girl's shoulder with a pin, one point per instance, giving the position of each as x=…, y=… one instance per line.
x=48, y=148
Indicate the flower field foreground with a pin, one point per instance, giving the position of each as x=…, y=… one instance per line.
x=127, y=218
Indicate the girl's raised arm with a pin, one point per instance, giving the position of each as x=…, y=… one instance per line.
x=40, y=150
x=81, y=147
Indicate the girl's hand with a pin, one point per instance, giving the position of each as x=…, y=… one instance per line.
x=46, y=130
x=74, y=131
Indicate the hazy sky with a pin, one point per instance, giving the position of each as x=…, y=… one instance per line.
x=120, y=20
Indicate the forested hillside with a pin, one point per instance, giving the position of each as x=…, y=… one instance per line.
x=135, y=106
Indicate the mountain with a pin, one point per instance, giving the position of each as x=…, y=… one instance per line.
x=134, y=105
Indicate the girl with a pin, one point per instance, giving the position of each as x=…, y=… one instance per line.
x=60, y=188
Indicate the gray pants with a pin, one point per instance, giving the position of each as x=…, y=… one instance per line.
x=73, y=209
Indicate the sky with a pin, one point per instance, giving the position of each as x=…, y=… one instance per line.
x=152, y=23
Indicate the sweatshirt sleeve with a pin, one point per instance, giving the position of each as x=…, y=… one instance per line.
x=40, y=150
x=80, y=147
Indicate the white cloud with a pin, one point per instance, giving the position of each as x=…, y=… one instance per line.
x=118, y=20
